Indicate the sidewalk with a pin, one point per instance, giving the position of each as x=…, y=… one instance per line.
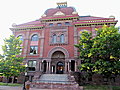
x=16, y=88
x=21, y=88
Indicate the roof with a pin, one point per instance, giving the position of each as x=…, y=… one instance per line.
x=65, y=10
x=93, y=19
x=35, y=23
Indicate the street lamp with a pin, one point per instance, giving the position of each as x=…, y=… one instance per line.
x=25, y=76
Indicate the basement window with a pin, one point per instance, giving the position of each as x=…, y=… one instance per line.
x=31, y=65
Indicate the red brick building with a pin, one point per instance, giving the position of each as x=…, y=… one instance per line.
x=48, y=43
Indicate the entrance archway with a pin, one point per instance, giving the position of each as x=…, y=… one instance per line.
x=57, y=62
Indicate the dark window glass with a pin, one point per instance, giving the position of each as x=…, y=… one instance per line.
x=34, y=38
x=31, y=65
x=33, y=49
x=67, y=23
x=51, y=24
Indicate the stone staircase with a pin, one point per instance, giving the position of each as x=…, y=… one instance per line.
x=54, y=78
x=56, y=82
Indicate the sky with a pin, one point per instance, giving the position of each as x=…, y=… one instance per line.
x=22, y=11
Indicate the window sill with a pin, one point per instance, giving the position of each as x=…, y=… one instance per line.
x=52, y=44
x=31, y=71
x=33, y=54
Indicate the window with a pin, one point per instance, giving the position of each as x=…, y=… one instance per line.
x=32, y=65
x=33, y=49
x=51, y=24
x=20, y=51
x=34, y=37
x=20, y=37
x=62, y=38
x=59, y=24
x=67, y=23
x=54, y=38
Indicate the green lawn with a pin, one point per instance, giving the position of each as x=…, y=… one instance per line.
x=100, y=87
x=10, y=84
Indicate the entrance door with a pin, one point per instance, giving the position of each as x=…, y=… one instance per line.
x=60, y=67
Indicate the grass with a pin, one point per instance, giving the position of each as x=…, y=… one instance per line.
x=10, y=84
x=100, y=87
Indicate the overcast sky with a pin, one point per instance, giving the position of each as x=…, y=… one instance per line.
x=22, y=11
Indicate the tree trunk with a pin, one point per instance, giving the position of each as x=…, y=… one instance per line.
x=12, y=79
x=110, y=86
x=7, y=80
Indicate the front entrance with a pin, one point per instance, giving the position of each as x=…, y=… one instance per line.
x=57, y=62
x=60, y=68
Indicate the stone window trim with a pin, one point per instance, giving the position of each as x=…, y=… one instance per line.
x=58, y=33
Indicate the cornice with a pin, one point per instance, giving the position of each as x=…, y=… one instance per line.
x=26, y=28
x=95, y=23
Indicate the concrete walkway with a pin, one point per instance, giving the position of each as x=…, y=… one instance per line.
x=20, y=88
x=16, y=88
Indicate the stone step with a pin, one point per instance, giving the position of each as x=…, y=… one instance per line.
x=53, y=78
x=55, y=81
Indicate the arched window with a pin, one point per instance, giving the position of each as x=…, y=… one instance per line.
x=59, y=24
x=62, y=38
x=67, y=23
x=51, y=24
x=54, y=38
x=20, y=37
x=34, y=37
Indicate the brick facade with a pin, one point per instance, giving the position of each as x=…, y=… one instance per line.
x=57, y=31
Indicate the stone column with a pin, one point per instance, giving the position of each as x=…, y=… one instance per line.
x=40, y=67
x=68, y=66
x=75, y=66
x=49, y=67
x=37, y=66
x=65, y=67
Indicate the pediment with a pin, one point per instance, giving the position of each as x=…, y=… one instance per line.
x=59, y=13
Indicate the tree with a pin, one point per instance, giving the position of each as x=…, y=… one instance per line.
x=84, y=46
x=104, y=52
x=11, y=64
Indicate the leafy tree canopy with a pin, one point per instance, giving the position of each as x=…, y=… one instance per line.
x=11, y=64
x=100, y=54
